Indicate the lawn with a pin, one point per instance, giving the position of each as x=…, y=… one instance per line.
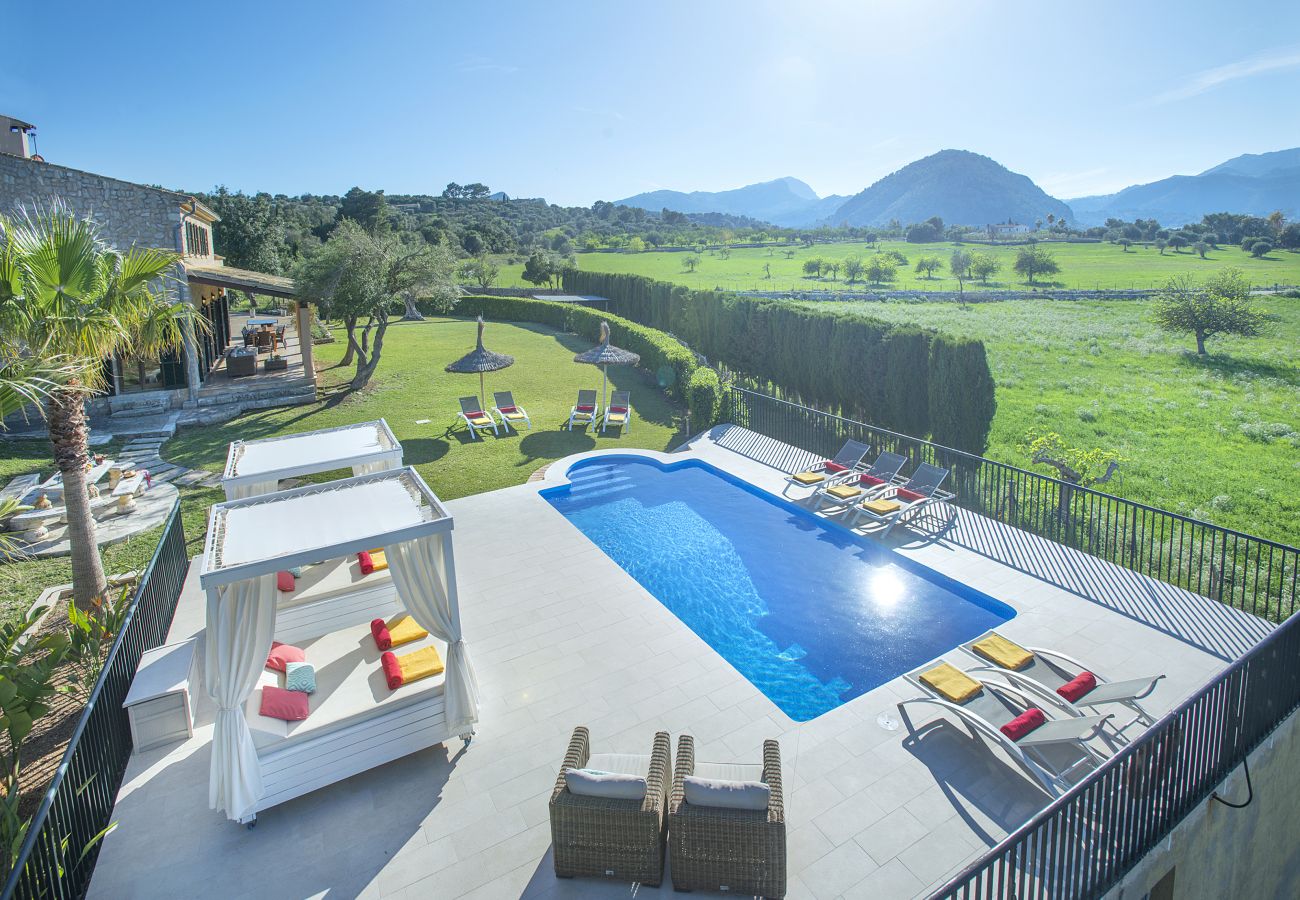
x=1083, y=266
x=1215, y=438
x=411, y=386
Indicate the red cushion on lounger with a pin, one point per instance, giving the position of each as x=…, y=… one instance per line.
x=1024, y=723
x=379, y=631
x=905, y=494
x=277, y=703
x=506, y=409
x=871, y=480
x=283, y=653
x=618, y=409
x=367, y=564
x=392, y=670
x=284, y=581
x=586, y=408
x=1080, y=686
x=476, y=414
x=831, y=466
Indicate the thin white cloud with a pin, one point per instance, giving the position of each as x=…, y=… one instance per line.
x=1283, y=60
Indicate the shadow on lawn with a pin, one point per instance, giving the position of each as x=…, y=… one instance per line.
x=1232, y=366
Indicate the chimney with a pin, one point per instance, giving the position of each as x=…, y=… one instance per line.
x=18, y=138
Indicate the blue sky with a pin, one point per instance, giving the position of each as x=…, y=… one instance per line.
x=602, y=100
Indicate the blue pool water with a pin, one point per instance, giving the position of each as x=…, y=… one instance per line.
x=811, y=614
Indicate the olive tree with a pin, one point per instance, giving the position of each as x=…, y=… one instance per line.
x=1220, y=305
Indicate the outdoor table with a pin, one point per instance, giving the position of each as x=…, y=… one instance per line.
x=262, y=321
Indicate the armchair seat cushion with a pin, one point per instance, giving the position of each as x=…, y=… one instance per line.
x=621, y=763
x=605, y=785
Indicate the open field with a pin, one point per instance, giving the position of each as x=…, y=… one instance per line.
x=1215, y=438
x=1083, y=267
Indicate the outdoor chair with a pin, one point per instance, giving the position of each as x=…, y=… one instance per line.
x=726, y=848
x=472, y=414
x=896, y=503
x=859, y=485
x=511, y=413
x=584, y=412
x=613, y=837
x=265, y=340
x=1059, y=679
x=619, y=412
x=1050, y=747
x=843, y=463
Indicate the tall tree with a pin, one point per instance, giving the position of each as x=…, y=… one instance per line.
x=1031, y=261
x=1221, y=305
x=853, y=269
x=368, y=209
x=250, y=234
x=984, y=266
x=959, y=263
x=928, y=265
x=65, y=294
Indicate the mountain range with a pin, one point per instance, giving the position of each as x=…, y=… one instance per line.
x=968, y=189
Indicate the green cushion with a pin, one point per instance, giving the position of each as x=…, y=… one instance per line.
x=300, y=676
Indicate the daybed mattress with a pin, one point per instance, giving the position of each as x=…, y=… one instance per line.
x=331, y=579
x=350, y=687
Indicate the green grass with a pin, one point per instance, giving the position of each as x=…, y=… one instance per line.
x=411, y=385
x=1083, y=266
x=1215, y=438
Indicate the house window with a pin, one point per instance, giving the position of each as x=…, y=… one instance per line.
x=196, y=240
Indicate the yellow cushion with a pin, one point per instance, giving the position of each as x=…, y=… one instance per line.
x=379, y=560
x=514, y=415
x=617, y=417
x=403, y=629
x=1000, y=651
x=419, y=664
x=882, y=507
x=480, y=420
x=951, y=683
x=808, y=477
x=844, y=491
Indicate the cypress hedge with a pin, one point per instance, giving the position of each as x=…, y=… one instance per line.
x=704, y=398
x=860, y=367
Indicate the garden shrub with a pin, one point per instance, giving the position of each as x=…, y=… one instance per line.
x=961, y=394
x=704, y=398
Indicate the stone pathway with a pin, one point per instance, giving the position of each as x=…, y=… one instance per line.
x=144, y=453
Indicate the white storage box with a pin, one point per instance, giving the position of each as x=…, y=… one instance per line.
x=158, y=703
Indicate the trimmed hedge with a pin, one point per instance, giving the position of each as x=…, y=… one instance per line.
x=704, y=398
x=848, y=363
x=672, y=363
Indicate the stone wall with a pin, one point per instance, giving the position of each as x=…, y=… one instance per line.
x=127, y=213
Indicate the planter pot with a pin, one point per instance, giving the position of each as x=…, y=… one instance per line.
x=275, y=365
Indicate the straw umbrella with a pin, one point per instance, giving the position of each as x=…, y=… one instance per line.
x=480, y=360
x=604, y=355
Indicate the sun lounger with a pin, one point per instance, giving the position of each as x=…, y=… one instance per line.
x=511, y=413
x=619, y=413
x=860, y=485
x=1048, y=745
x=844, y=463
x=1059, y=679
x=472, y=414
x=900, y=502
x=584, y=412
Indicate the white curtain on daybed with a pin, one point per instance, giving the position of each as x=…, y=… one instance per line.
x=420, y=575
x=241, y=624
x=371, y=468
x=252, y=489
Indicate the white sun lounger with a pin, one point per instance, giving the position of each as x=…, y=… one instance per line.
x=584, y=412
x=846, y=462
x=619, y=412
x=916, y=494
x=1051, y=753
x=862, y=484
x=475, y=417
x=511, y=413
x=1048, y=670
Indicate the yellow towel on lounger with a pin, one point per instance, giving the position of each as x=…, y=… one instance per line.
x=808, y=477
x=403, y=629
x=379, y=560
x=480, y=420
x=1000, y=651
x=420, y=664
x=951, y=682
x=843, y=492
x=882, y=507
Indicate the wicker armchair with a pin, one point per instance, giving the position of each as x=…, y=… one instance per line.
x=739, y=851
x=622, y=839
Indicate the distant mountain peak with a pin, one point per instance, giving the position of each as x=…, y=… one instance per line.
x=781, y=201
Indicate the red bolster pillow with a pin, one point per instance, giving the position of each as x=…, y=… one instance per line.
x=830, y=466
x=379, y=631
x=586, y=409
x=871, y=480
x=285, y=581
x=506, y=409
x=392, y=671
x=367, y=564
x=1024, y=723
x=1079, y=687
x=910, y=495
x=618, y=409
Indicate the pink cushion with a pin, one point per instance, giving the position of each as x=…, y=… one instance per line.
x=284, y=581
x=910, y=495
x=277, y=703
x=834, y=467
x=283, y=653
x=367, y=564
x=476, y=414
x=1081, y=685
x=586, y=408
x=508, y=409
x=1024, y=723
x=618, y=409
x=871, y=480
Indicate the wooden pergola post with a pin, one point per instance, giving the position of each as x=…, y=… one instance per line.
x=304, y=339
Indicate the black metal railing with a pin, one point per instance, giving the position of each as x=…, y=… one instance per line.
x=1083, y=844
x=1240, y=570
x=58, y=855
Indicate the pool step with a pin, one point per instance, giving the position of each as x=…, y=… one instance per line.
x=601, y=490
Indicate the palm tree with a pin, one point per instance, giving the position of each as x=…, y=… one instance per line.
x=66, y=295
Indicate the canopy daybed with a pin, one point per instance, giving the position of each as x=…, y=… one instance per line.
x=355, y=721
x=256, y=467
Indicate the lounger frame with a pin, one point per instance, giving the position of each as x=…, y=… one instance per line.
x=469, y=405
x=587, y=419
x=845, y=457
x=507, y=421
x=626, y=425
x=909, y=509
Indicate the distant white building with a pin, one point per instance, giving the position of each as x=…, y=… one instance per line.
x=1006, y=229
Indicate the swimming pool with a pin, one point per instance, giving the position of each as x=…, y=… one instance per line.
x=810, y=613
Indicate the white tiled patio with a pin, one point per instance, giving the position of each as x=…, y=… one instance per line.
x=561, y=636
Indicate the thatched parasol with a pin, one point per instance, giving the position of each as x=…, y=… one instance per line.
x=605, y=355
x=480, y=360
